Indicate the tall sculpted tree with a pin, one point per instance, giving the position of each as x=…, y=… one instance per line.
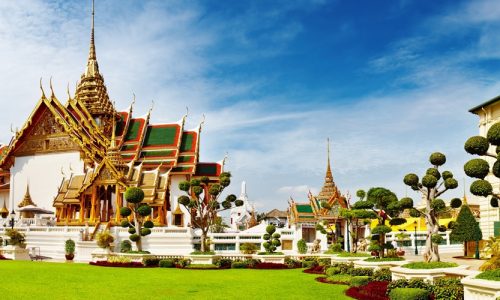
x=137, y=212
x=202, y=200
x=466, y=229
x=479, y=168
x=432, y=185
x=384, y=206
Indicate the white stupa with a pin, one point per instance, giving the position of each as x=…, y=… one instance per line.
x=240, y=215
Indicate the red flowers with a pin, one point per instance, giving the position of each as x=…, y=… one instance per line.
x=374, y=290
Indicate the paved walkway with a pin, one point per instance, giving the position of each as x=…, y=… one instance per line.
x=473, y=263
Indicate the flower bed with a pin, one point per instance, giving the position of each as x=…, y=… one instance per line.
x=315, y=270
x=375, y=259
x=375, y=290
x=3, y=257
x=105, y=263
x=266, y=265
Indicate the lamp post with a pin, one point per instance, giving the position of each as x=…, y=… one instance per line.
x=415, y=237
x=12, y=220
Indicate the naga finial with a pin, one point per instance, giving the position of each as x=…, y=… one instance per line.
x=51, y=88
x=41, y=88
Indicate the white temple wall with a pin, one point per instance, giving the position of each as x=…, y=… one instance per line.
x=175, y=193
x=44, y=174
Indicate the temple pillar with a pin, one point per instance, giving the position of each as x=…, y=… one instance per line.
x=93, y=205
x=119, y=203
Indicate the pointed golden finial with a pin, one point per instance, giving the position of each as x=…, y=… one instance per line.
x=67, y=91
x=92, y=55
x=465, y=197
x=41, y=88
x=51, y=88
x=328, y=168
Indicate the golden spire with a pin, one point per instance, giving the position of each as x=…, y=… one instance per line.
x=4, y=212
x=27, y=198
x=329, y=188
x=328, y=169
x=465, y=198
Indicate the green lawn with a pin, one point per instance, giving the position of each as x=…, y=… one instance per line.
x=38, y=280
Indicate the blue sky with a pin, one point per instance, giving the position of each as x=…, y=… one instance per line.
x=388, y=81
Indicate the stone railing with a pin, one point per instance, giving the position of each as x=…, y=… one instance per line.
x=431, y=274
x=480, y=289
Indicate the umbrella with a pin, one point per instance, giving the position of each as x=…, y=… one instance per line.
x=35, y=210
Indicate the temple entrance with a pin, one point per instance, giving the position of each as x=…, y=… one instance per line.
x=106, y=202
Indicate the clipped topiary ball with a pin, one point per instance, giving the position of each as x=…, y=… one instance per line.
x=124, y=223
x=414, y=213
x=429, y=181
x=481, y=188
x=270, y=229
x=197, y=190
x=125, y=211
x=145, y=231
x=149, y=224
x=184, y=200
x=434, y=172
x=438, y=204
x=131, y=230
x=225, y=181
x=494, y=202
x=266, y=245
x=447, y=174
x=455, y=203
x=134, y=237
x=397, y=221
x=436, y=238
x=195, y=182
x=205, y=180
x=381, y=229
x=406, y=202
x=437, y=159
x=226, y=204
x=231, y=198
x=134, y=195
x=477, y=145
x=214, y=189
x=144, y=210
x=496, y=169
x=477, y=168
x=238, y=202
x=442, y=228
x=266, y=236
x=276, y=243
x=411, y=179
x=361, y=194
x=276, y=235
x=184, y=186
x=451, y=183
x=452, y=224
x=493, y=134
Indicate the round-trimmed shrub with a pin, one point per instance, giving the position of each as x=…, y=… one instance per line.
x=442, y=228
x=195, y=182
x=429, y=181
x=197, y=190
x=124, y=223
x=414, y=213
x=184, y=200
x=477, y=145
x=184, y=186
x=226, y=204
x=409, y=294
x=496, y=168
x=270, y=229
x=131, y=230
x=125, y=246
x=481, y=187
x=477, y=168
x=381, y=229
x=238, y=202
x=214, y=189
x=455, y=203
x=125, y=211
x=438, y=204
x=363, y=205
x=134, y=237
x=361, y=194
x=397, y=221
x=149, y=224
x=225, y=181
x=166, y=263
x=437, y=159
x=231, y=198
x=434, y=172
x=134, y=195
x=406, y=202
x=451, y=183
x=382, y=274
x=411, y=179
x=302, y=246
x=494, y=202
x=447, y=174
x=266, y=236
x=145, y=231
x=144, y=210
x=359, y=281
x=436, y=238
x=493, y=134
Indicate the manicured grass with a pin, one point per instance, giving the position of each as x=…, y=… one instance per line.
x=376, y=259
x=430, y=265
x=41, y=280
x=357, y=254
x=490, y=275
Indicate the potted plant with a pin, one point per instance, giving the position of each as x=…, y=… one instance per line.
x=69, y=248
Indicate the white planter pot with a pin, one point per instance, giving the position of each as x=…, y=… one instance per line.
x=430, y=274
x=480, y=289
x=275, y=259
x=378, y=265
x=201, y=259
x=15, y=253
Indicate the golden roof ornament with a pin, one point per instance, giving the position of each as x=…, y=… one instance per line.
x=328, y=188
x=4, y=212
x=27, y=198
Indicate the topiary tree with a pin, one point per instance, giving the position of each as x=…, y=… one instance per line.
x=137, y=214
x=466, y=229
x=381, y=204
x=302, y=246
x=479, y=168
x=271, y=239
x=432, y=185
x=202, y=200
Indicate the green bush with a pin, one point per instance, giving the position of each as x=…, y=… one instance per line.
x=248, y=248
x=150, y=262
x=381, y=229
x=69, y=246
x=409, y=294
x=292, y=263
x=477, y=145
x=490, y=275
x=222, y=262
x=125, y=246
x=340, y=278
x=357, y=254
x=481, y=188
x=448, y=289
x=382, y=274
x=238, y=264
x=430, y=265
x=359, y=280
x=134, y=195
x=251, y=262
x=324, y=261
x=376, y=259
x=361, y=272
x=309, y=264
x=202, y=266
x=429, y=181
x=182, y=263
x=167, y=263
x=477, y=168
x=412, y=283
x=437, y=159
x=332, y=271
x=302, y=246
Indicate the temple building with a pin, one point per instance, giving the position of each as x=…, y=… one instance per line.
x=81, y=155
x=303, y=216
x=242, y=217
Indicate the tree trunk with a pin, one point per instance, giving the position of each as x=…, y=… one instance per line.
x=431, y=252
x=138, y=243
x=203, y=241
